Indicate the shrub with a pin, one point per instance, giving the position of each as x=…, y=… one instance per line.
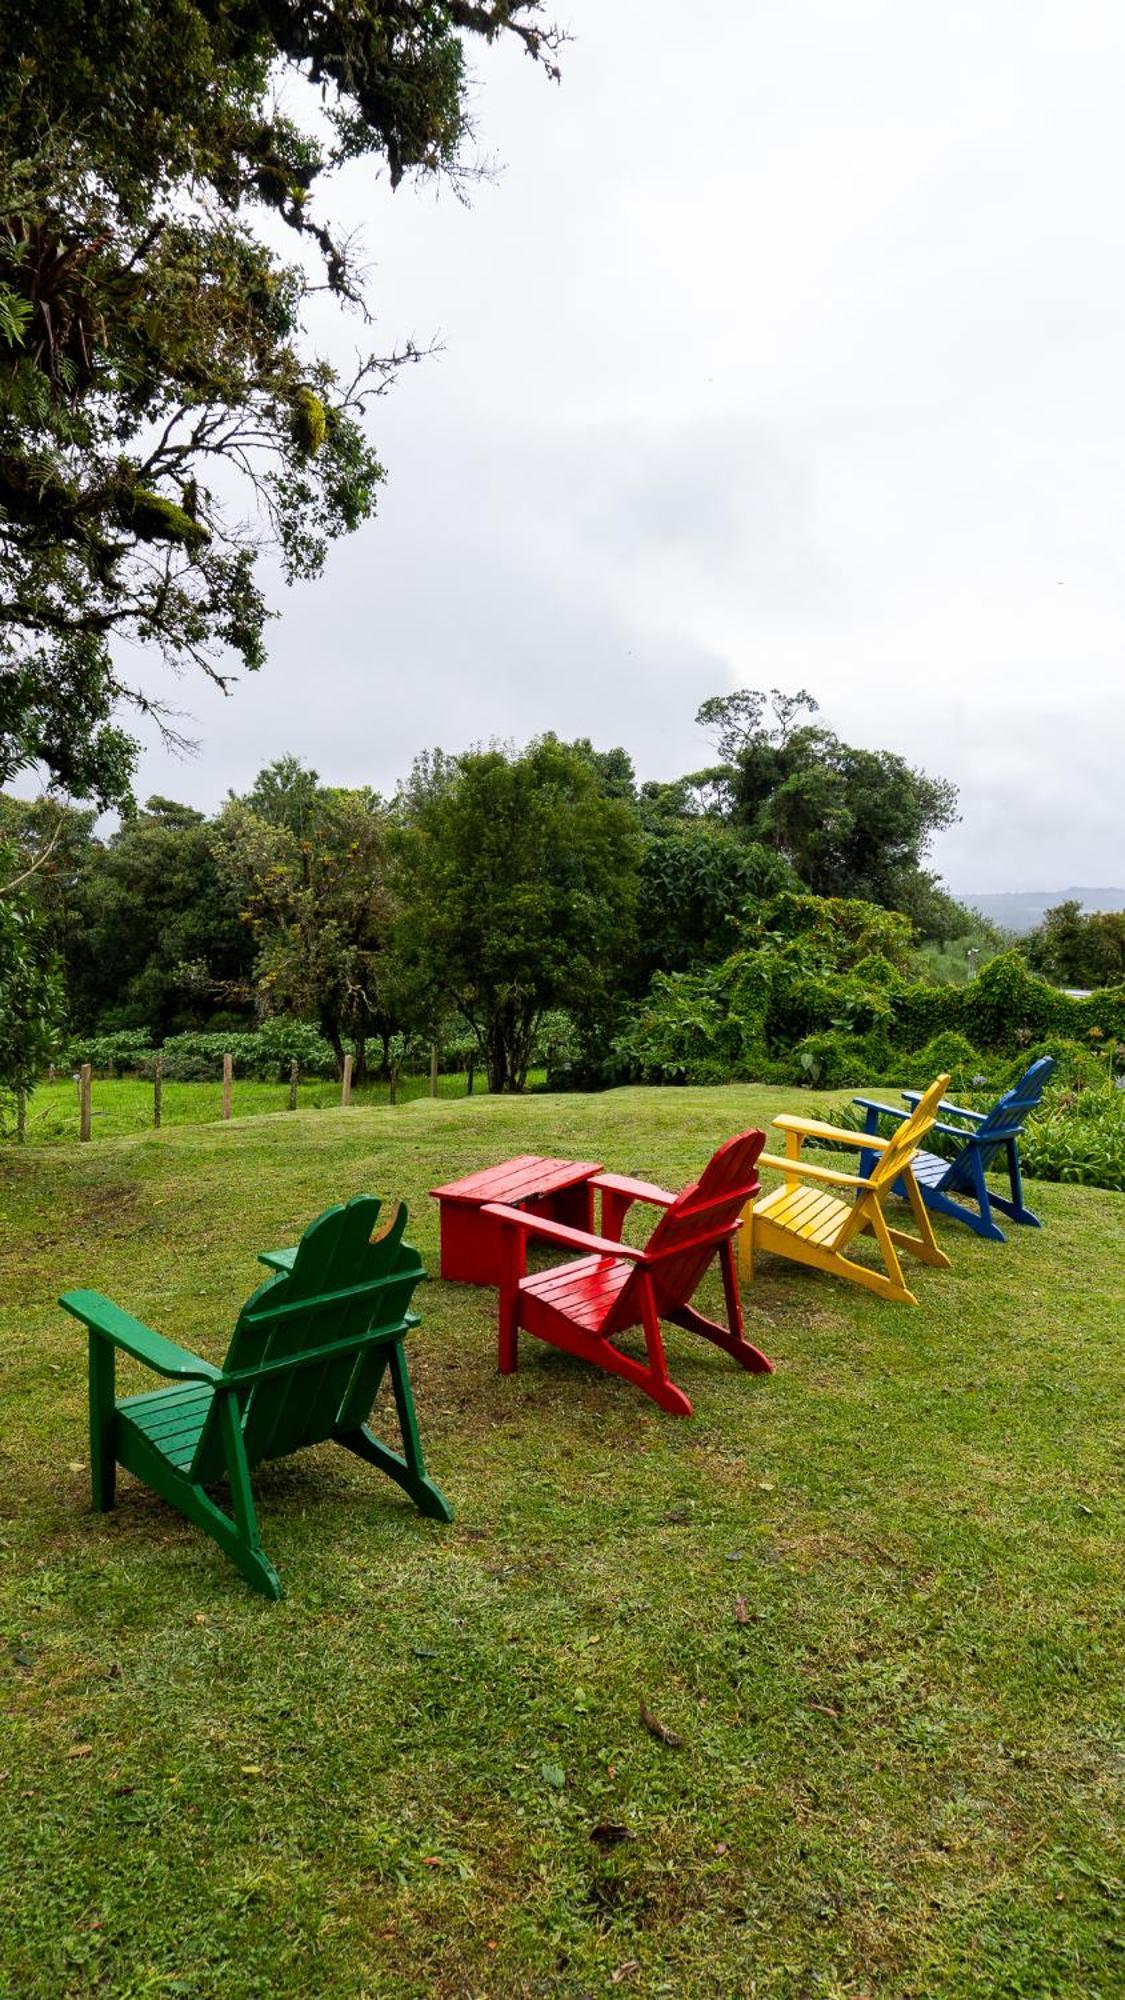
x=837, y=1057
x=124, y=1052
x=954, y=1055
x=1078, y=1136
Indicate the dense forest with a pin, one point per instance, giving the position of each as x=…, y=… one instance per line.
x=770, y=915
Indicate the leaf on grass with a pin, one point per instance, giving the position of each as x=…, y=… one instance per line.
x=822, y=1708
x=80, y=1750
x=660, y=1730
x=610, y=1832
x=250, y=1770
x=741, y=1611
x=76, y=1465
x=624, y=1971
x=553, y=1775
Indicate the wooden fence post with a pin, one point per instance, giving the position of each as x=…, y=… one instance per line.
x=228, y=1078
x=433, y=1069
x=84, y=1076
x=472, y=1066
x=21, y=1116
x=346, y=1085
x=294, y=1080
x=157, y=1091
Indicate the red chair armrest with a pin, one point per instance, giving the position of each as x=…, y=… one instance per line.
x=560, y=1232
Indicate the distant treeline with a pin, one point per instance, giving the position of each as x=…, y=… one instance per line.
x=492, y=888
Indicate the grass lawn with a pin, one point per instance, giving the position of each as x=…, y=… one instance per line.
x=877, y=1596
x=121, y=1105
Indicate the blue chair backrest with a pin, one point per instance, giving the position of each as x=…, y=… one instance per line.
x=1004, y=1121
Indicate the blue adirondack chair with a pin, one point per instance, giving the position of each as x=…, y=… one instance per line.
x=949, y=1186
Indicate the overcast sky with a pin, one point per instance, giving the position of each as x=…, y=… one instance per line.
x=786, y=350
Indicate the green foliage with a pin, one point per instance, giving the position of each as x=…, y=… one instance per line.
x=155, y=359
x=697, y=883
x=1074, y=949
x=837, y=1056
x=851, y=822
x=156, y=939
x=516, y=882
x=1078, y=1136
x=309, y=865
x=31, y=990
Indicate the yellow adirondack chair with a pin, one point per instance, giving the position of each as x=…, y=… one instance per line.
x=815, y=1226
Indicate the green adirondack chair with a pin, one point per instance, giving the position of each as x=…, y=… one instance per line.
x=306, y=1360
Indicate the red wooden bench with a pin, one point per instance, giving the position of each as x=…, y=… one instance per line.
x=580, y=1306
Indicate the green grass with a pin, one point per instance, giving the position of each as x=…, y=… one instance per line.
x=121, y=1105
x=878, y=1595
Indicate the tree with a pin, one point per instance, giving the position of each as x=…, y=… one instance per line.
x=851, y=822
x=158, y=943
x=310, y=867
x=156, y=388
x=517, y=882
x=696, y=879
x=1073, y=948
x=31, y=990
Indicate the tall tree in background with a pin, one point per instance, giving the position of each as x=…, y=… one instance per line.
x=851, y=822
x=310, y=867
x=517, y=884
x=156, y=386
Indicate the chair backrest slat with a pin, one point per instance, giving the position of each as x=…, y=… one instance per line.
x=1003, y=1122
x=702, y=1216
x=890, y=1163
x=345, y=1286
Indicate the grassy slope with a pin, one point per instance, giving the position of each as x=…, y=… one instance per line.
x=896, y=1778
x=123, y=1105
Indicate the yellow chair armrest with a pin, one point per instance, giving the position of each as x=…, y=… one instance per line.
x=809, y=1167
x=811, y=1128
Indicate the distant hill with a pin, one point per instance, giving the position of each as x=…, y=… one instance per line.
x=1022, y=910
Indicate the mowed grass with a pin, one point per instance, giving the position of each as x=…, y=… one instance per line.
x=877, y=1596
x=124, y=1105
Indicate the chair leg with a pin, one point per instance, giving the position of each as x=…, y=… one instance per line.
x=896, y=1283
x=925, y=1245
x=103, y=1417
x=243, y=1545
x=746, y=1245
x=731, y=1338
x=663, y=1390
x=409, y=1470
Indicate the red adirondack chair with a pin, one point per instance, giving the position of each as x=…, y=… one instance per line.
x=580, y=1306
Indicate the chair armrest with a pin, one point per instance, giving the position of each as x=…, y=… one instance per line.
x=278, y=1260
x=636, y=1190
x=960, y=1110
x=811, y=1128
x=104, y=1318
x=560, y=1232
x=886, y=1110
x=809, y=1167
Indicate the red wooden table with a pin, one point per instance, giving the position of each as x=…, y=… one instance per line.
x=470, y=1241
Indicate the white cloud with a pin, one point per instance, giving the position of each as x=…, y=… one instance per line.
x=786, y=350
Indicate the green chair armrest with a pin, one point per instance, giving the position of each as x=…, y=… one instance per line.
x=112, y=1324
x=279, y=1260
